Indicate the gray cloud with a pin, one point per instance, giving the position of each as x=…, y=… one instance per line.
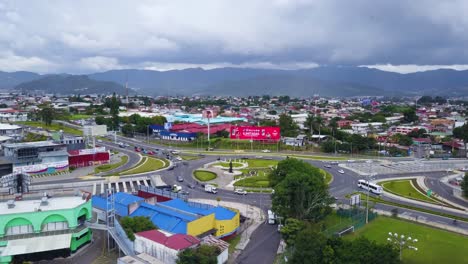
x=85, y=36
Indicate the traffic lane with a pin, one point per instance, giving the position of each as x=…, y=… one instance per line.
x=420, y=216
x=444, y=191
x=404, y=202
x=133, y=158
x=432, y=182
x=262, y=246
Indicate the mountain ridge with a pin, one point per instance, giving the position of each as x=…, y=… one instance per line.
x=325, y=80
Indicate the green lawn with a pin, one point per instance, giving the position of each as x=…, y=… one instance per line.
x=328, y=177
x=189, y=157
x=149, y=164
x=254, y=181
x=261, y=163
x=79, y=116
x=434, y=245
x=202, y=175
x=405, y=189
x=108, y=167
x=226, y=164
x=53, y=127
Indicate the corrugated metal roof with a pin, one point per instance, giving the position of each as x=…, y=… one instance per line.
x=176, y=241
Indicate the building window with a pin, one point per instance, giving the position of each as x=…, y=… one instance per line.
x=21, y=229
x=55, y=226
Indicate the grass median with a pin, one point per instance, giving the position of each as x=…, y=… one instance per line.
x=202, y=175
x=108, y=167
x=405, y=188
x=149, y=164
x=414, y=208
x=434, y=245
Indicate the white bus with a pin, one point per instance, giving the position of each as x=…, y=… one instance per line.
x=372, y=187
x=271, y=217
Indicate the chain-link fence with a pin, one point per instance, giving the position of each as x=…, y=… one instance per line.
x=347, y=220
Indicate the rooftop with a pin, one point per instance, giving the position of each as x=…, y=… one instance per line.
x=36, y=144
x=29, y=206
x=176, y=241
x=8, y=126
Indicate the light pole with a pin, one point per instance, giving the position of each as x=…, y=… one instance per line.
x=368, y=189
x=402, y=242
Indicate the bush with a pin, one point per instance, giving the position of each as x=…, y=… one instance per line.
x=136, y=224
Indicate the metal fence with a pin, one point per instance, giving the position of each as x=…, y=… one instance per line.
x=352, y=217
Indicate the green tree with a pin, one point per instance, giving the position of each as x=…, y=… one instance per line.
x=409, y=116
x=405, y=140
x=47, y=115
x=204, y=254
x=462, y=134
x=464, y=185
x=114, y=111
x=136, y=224
x=309, y=247
x=287, y=126
x=300, y=191
x=291, y=228
x=128, y=130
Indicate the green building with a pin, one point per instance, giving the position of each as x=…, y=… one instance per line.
x=43, y=228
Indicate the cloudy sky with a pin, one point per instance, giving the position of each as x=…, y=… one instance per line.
x=81, y=36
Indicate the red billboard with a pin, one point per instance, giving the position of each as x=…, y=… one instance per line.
x=255, y=133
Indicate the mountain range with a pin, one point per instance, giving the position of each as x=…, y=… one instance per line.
x=325, y=81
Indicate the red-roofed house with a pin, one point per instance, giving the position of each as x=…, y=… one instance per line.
x=163, y=246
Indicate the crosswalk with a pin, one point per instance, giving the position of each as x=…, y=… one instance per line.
x=121, y=185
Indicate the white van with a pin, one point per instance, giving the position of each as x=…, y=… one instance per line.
x=271, y=217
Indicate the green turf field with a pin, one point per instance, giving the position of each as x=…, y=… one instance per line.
x=434, y=245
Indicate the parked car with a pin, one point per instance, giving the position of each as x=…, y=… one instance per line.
x=240, y=191
x=266, y=151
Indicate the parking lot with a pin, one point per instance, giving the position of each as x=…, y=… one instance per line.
x=388, y=167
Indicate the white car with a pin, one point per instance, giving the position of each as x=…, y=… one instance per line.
x=266, y=151
x=240, y=191
x=341, y=171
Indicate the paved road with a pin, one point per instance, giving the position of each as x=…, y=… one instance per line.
x=133, y=157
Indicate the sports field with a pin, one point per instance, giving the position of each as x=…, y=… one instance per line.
x=434, y=245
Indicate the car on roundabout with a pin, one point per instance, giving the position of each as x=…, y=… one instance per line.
x=240, y=191
x=341, y=171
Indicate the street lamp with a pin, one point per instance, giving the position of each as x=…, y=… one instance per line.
x=369, y=175
x=402, y=242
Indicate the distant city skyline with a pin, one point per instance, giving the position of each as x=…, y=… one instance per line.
x=94, y=36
